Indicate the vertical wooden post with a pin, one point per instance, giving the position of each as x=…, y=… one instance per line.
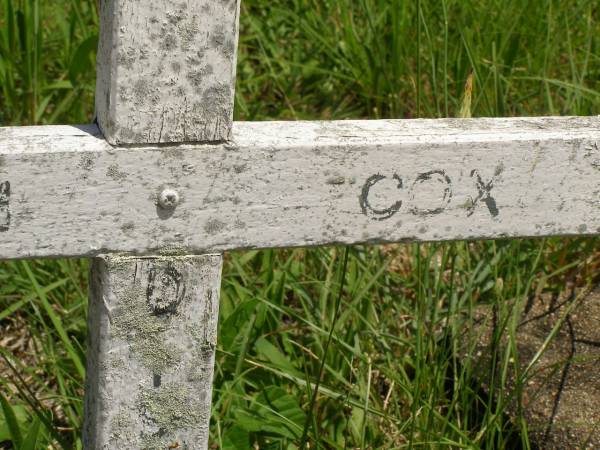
x=166, y=74
x=153, y=329
x=166, y=70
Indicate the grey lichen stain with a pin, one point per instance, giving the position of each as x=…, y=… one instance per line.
x=240, y=168
x=168, y=42
x=114, y=173
x=499, y=169
x=121, y=426
x=127, y=135
x=582, y=228
x=175, y=17
x=188, y=33
x=141, y=89
x=128, y=227
x=116, y=364
x=176, y=66
x=170, y=408
x=134, y=321
x=197, y=77
x=216, y=97
x=87, y=161
x=214, y=226
x=173, y=250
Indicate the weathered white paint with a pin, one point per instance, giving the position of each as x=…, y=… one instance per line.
x=284, y=184
x=166, y=74
x=166, y=70
x=152, y=331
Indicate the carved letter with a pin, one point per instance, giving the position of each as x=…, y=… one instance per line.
x=484, y=193
x=380, y=214
x=440, y=177
x=4, y=206
x=164, y=291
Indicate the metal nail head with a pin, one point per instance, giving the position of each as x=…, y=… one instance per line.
x=168, y=198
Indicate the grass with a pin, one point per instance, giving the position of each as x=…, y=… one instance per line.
x=339, y=348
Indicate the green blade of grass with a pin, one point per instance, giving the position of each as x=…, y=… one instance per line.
x=56, y=322
x=11, y=420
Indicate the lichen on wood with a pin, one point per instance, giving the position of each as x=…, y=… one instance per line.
x=152, y=341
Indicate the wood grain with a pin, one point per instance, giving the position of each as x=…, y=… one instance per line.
x=284, y=184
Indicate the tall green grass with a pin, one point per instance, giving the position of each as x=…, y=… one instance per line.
x=47, y=54
x=332, y=348
x=366, y=58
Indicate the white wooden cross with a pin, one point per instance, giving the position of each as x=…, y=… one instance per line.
x=165, y=182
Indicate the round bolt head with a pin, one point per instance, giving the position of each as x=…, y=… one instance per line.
x=168, y=198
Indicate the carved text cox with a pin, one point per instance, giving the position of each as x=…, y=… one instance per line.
x=429, y=194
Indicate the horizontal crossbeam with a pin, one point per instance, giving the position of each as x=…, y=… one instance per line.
x=65, y=192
